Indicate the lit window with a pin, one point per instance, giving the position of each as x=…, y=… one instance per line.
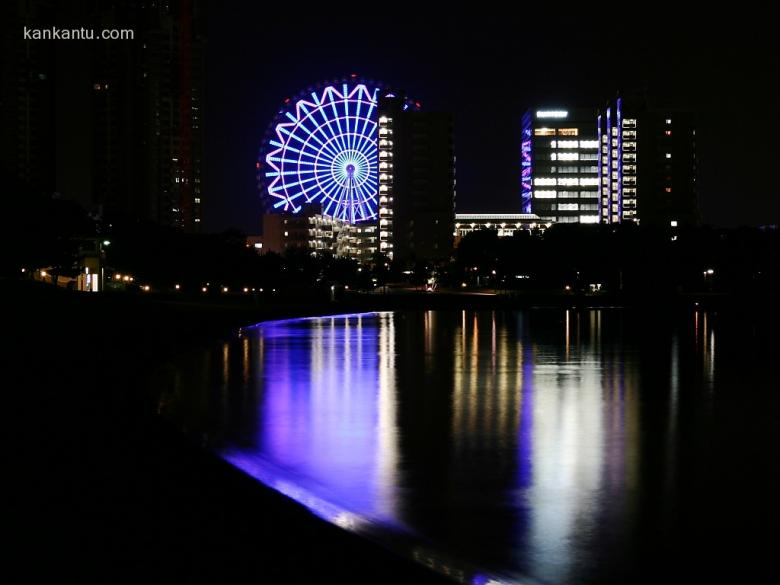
x=544, y=181
x=286, y=234
x=673, y=223
x=568, y=132
x=668, y=189
x=545, y=194
x=544, y=132
x=668, y=155
x=668, y=121
x=668, y=132
x=589, y=143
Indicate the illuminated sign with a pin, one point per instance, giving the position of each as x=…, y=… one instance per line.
x=551, y=113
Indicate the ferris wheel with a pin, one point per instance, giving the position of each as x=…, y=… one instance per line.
x=323, y=150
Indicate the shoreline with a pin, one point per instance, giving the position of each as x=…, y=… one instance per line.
x=107, y=490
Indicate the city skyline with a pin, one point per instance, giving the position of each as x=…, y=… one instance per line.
x=481, y=68
x=484, y=68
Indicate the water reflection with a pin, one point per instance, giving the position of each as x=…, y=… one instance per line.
x=525, y=443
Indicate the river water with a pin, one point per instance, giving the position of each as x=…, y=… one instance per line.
x=538, y=446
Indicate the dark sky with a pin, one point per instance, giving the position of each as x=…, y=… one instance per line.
x=487, y=66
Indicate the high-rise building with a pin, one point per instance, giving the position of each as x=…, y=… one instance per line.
x=559, y=166
x=27, y=101
x=416, y=182
x=148, y=113
x=647, y=171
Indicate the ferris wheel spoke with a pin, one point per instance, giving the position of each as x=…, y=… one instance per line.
x=366, y=143
x=325, y=149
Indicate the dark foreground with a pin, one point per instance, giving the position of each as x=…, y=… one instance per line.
x=103, y=490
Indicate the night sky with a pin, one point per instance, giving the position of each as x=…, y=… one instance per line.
x=487, y=67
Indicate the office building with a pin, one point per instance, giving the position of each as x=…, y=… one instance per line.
x=505, y=224
x=416, y=183
x=559, y=165
x=647, y=171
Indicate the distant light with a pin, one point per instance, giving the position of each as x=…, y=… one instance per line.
x=177, y=287
x=126, y=278
x=710, y=271
x=24, y=270
x=117, y=276
x=258, y=245
x=261, y=290
x=147, y=288
x=106, y=243
x=673, y=223
x=346, y=287
x=204, y=289
x=224, y=289
x=567, y=287
x=43, y=273
x=246, y=289
x=551, y=113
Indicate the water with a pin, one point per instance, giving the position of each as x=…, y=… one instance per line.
x=548, y=446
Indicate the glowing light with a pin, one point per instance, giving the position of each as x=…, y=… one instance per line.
x=327, y=153
x=204, y=289
x=224, y=289
x=147, y=288
x=551, y=113
x=177, y=287
x=44, y=273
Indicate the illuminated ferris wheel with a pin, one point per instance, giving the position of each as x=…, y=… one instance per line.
x=323, y=149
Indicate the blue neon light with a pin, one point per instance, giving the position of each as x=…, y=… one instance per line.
x=327, y=152
x=526, y=166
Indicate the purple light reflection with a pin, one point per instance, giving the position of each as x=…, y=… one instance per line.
x=327, y=416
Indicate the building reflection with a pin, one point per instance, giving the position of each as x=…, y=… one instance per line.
x=512, y=437
x=325, y=422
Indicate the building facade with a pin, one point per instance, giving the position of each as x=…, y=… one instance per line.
x=505, y=224
x=27, y=101
x=416, y=183
x=147, y=99
x=317, y=233
x=559, y=165
x=647, y=170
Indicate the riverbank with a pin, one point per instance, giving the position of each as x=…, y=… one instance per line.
x=103, y=490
